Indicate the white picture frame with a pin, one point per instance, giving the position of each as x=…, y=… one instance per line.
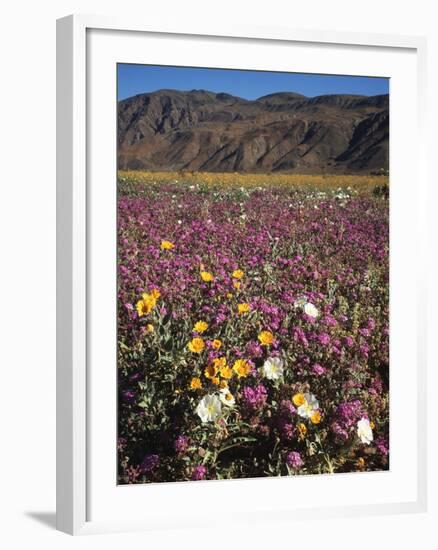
x=75, y=217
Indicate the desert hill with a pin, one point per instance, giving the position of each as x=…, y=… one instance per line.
x=208, y=131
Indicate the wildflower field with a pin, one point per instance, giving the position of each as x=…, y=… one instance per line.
x=253, y=334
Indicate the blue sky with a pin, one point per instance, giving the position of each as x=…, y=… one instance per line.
x=137, y=79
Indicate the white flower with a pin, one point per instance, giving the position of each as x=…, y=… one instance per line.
x=227, y=397
x=310, y=310
x=209, y=408
x=301, y=302
x=273, y=368
x=364, y=431
x=309, y=406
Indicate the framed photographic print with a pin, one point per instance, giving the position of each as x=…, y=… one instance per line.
x=239, y=290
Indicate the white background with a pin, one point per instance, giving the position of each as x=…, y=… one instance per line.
x=27, y=218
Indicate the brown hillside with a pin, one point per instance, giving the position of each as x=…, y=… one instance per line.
x=201, y=130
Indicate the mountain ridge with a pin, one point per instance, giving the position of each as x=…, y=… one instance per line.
x=284, y=131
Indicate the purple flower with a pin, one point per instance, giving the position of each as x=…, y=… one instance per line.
x=318, y=369
x=364, y=348
x=254, y=398
x=220, y=318
x=294, y=460
x=300, y=336
x=199, y=472
x=382, y=446
x=324, y=339
x=150, y=462
x=181, y=444
x=287, y=430
x=128, y=396
x=330, y=321
x=287, y=408
x=348, y=341
x=347, y=414
x=339, y=431
x=254, y=350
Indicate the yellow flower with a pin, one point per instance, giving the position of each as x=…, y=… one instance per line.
x=155, y=293
x=216, y=344
x=223, y=384
x=266, y=338
x=206, y=276
x=372, y=425
x=302, y=430
x=215, y=381
x=196, y=345
x=147, y=302
x=228, y=396
x=195, y=383
x=200, y=326
x=237, y=285
x=238, y=274
x=298, y=399
x=210, y=371
x=229, y=295
x=167, y=245
x=243, y=308
x=316, y=417
x=226, y=372
x=360, y=463
x=219, y=362
x=242, y=368
x=150, y=328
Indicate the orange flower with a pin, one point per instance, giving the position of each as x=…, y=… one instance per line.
x=266, y=338
x=219, y=362
x=196, y=345
x=200, y=327
x=238, y=274
x=206, y=276
x=242, y=368
x=167, y=245
x=298, y=399
x=226, y=372
x=302, y=430
x=243, y=308
x=216, y=344
x=148, y=302
x=210, y=371
x=195, y=383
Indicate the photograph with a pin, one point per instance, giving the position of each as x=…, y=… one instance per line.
x=252, y=274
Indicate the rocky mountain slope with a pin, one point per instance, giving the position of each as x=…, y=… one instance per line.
x=202, y=130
